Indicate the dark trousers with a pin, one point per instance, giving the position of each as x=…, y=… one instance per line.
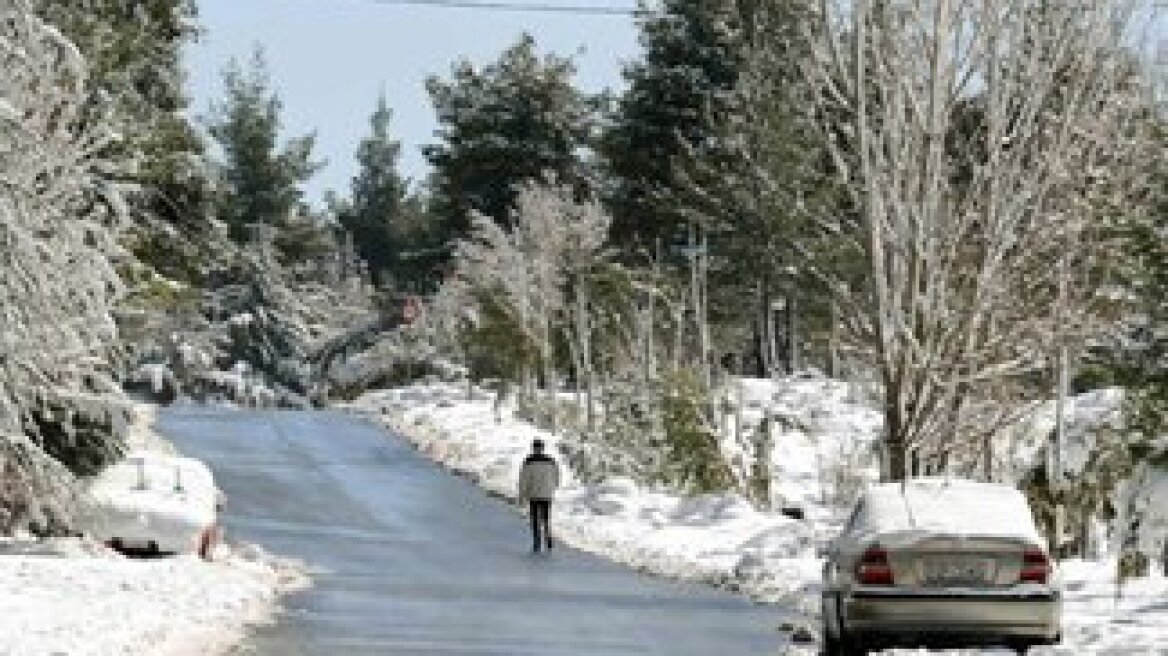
x=541, y=523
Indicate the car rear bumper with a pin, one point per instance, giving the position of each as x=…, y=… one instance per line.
x=1032, y=616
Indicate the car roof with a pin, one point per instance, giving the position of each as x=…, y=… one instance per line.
x=949, y=506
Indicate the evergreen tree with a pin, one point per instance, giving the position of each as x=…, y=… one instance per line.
x=58, y=285
x=512, y=121
x=133, y=53
x=260, y=181
x=376, y=215
x=692, y=61
x=1145, y=357
x=748, y=182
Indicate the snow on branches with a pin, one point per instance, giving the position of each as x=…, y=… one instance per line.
x=552, y=238
x=981, y=146
x=532, y=269
x=58, y=225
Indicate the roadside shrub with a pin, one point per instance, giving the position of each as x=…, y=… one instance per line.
x=693, y=459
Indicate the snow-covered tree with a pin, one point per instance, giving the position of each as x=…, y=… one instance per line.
x=136, y=77
x=59, y=221
x=379, y=213
x=742, y=187
x=552, y=243
x=512, y=121
x=384, y=218
x=982, y=146
x=1143, y=348
x=260, y=180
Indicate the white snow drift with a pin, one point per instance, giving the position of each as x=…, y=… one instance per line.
x=72, y=597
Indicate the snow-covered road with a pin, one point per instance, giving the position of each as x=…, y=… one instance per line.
x=409, y=559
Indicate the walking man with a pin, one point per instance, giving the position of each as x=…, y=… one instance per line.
x=538, y=479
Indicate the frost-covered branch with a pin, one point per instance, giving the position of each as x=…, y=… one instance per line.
x=983, y=145
x=59, y=222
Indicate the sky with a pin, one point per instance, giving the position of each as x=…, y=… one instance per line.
x=329, y=60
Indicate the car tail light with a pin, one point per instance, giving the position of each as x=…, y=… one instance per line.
x=874, y=568
x=1035, y=566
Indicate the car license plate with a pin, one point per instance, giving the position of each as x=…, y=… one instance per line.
x=957, y=571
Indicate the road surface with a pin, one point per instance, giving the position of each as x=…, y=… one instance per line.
x=412, y=560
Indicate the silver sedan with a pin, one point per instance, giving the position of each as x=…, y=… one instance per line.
x=939, y=561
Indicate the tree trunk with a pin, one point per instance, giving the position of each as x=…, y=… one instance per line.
x=793, y=360
x=549, y=375
x=770, y=336
x=585, y=328
x=833, y=368
x=987, y=454
x=703, y=313
x=895, y=457
x=761, y=363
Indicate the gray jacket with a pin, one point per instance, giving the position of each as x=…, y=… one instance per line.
x=539, y=477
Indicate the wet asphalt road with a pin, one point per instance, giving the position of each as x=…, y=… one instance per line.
x=412, y=560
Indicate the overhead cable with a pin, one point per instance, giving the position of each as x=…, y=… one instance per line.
x=506, y=5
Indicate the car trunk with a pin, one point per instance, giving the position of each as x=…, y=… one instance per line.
x=940, y=562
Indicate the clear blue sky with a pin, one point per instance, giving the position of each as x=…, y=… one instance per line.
x=329, y=59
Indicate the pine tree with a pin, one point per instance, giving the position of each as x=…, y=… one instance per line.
x=377, y=215
x=510, y=122
x=260, y=181
x=692, y=61
x=747, y=183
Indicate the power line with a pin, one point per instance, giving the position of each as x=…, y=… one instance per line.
x=497, y=5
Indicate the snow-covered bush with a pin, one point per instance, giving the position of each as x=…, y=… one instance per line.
x=693, y=459
x=626, y=443
x=652, y=432
x=59, y=220
x=276, y=319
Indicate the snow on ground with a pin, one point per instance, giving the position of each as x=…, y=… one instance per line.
x=825, y=427
x=72, y=596
x=76, y=598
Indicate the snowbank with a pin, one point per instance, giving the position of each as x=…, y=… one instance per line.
x=74, y=596
x=70, y=597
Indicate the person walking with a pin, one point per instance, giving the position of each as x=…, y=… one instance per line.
x=538, y=479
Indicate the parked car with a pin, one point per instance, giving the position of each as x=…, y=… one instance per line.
x=153, y=504
x=939, y=561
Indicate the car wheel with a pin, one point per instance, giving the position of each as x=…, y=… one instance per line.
x=828, y=639
x=1025, y=647
x=843, y=644
x=836, y=646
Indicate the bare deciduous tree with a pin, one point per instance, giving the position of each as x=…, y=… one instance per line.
x=552, y=244
x=981, y=145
